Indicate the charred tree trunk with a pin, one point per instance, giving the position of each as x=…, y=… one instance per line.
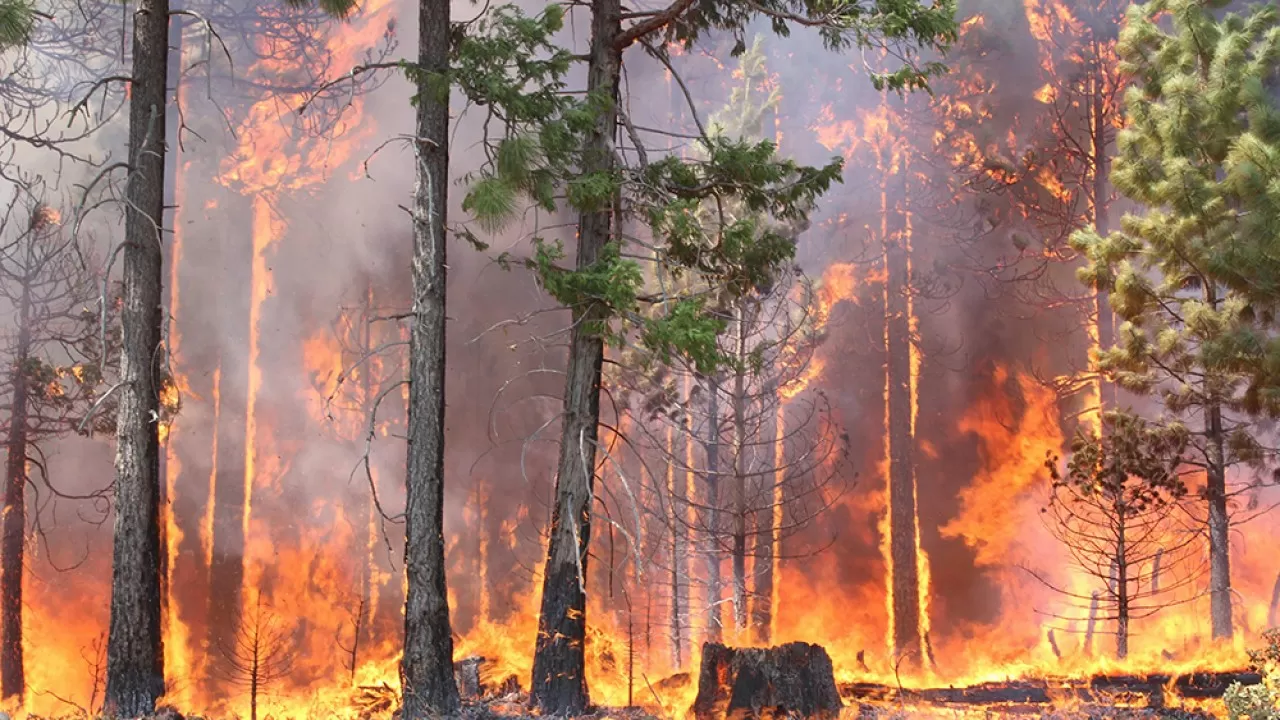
x=907, y=642
x=12, y=679
x=135, y=649
x=715, y=614
x=427, y=666
x=1100, y=122
x=740, y=476
x=559, y=681
x=1219, y=526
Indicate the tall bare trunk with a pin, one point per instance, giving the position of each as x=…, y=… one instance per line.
x=135, y=648
x=740, y=476
x=1219, y=526
x=769, y=488
x=907, y=641
x=427, y=666
x=1100, y=121
x=678, y=552
x=711, y=523
x=234, y=249
x=559, y=681
x=12, y=679
x=1122, y=585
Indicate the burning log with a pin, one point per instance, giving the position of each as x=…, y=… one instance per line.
x=792, y=679
x=1097, y=689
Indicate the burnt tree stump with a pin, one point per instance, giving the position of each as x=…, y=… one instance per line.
x=467, y=674
x=795, y=680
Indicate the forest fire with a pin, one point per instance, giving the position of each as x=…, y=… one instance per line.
x=870, y=465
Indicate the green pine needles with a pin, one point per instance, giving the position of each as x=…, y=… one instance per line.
x=717, y=215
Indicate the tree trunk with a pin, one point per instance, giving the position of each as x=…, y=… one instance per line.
x=766, y=534
x=427, y=665
x=678, y=609
x=1099, y=129
x=1122, y=586
x=12, y=680
x=907, y=642
x=715, y=615
x=234, y=241
x=135, y=649
x=740, y=477
x=559, y=682
x=1219, y=526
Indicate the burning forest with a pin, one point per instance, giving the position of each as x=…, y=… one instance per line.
x=371, y=358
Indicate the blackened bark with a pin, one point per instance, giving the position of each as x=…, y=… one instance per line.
x=135, y=646
x=427, y=666
x=12, y=679
x=1101, y=121
x=907, y=641
x=792, y=680
x=559, y=682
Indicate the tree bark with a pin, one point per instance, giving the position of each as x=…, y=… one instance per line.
x=1122, y=584
x=907, y=640
x=135, y=647
x=740, y=476
x=1219, y=527
x=767, y=531
x=1100, y=122
x=715, y=614
x=427, y=666
x=559, y=681
x=12, y=679
x=678, y=609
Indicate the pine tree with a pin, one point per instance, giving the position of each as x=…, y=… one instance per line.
x=565, y=144
x=1188, y=112
x=16, y=19
x=1114, y=507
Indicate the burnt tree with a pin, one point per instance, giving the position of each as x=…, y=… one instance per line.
x=49, y=388
x=427, y=665
x=135, y=649
x=559, y=683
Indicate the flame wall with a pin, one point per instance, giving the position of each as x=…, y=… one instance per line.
x=283, y=247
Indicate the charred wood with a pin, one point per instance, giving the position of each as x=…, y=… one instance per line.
x=1097, y=689
x=796, y=679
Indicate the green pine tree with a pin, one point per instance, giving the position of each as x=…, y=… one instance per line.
x=1198, y=80
x=558, y=150
x=16, y=20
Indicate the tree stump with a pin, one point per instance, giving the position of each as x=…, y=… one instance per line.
x=795, y=680
x=467, y=673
